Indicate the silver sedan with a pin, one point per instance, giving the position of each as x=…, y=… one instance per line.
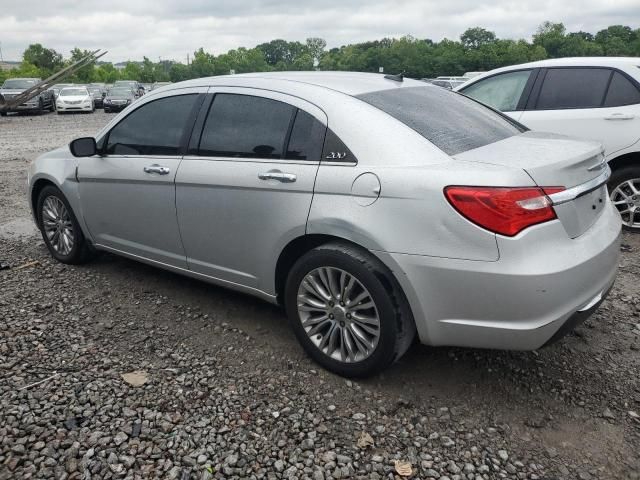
x=374, y=209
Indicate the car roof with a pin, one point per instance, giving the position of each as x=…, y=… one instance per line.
x=620, y=62
x=350, y=83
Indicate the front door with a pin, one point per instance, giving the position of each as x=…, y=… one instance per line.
x=590, y=103
x=247, y=190
x=128, y=192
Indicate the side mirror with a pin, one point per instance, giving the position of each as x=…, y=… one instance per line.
x=83, y=147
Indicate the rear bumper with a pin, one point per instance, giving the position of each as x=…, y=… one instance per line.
x=542, y=282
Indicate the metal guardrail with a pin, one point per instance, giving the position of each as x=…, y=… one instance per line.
x=37, y=89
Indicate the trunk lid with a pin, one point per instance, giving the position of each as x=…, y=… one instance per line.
x=555, y=161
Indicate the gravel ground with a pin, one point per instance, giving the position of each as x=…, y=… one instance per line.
x=118, y=370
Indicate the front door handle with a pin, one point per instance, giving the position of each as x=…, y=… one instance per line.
x=281, y=177
x=155, y=168
x=620, y=116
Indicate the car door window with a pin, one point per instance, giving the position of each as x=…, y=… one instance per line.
x=502, y=91
x=573, y=88
x=307, y=138
x=621, y=92
x=156, y=128
x=246, y=126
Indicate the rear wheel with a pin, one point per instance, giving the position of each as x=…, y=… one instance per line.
x=347, y=310
x=60, y=229
x=624, y=188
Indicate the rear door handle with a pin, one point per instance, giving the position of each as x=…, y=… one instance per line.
x=620, y=116
x=155, y=168
x=281, y=177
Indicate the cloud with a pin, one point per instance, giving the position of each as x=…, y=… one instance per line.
x=171, y=30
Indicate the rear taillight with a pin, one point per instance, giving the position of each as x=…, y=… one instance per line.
x=503, y=210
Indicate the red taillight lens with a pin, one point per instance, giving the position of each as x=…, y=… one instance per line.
x=503, y=210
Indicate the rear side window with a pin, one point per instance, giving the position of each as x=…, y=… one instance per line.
x=155, y=128
x=573, y=88
x=307, y=137
x=450, y=121
x=621, y=92
x=502, y=92
x=246, y=126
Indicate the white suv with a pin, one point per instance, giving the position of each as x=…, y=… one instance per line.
x=592, y=98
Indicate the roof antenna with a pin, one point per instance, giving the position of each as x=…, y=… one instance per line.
x=396, y=78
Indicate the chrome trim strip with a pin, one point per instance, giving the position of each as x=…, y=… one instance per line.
x=580, y=190
x=190, y=273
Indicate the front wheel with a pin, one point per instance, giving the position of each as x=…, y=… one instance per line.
x=624, y=190
x=347, y=310
x=60, y=229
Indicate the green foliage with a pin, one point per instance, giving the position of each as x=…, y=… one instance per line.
x=477, y=50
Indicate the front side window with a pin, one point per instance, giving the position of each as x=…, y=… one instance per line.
x=621, y=92
x=246, y=126
x=501, y=92
x=155, y=128
x=573, y=88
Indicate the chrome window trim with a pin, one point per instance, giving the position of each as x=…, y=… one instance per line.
x=580, y=190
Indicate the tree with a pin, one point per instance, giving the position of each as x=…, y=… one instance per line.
x=476, y=37
x=315, y=47
x=85, y=74
x=45, y=59
x=551, y=37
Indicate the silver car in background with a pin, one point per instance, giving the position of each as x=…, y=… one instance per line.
x=372, y=208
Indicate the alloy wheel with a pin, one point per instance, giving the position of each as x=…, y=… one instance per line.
x=626, y=198
x=57, y=225
x=338, y=314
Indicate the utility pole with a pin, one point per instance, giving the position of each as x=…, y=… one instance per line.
x=1, y=59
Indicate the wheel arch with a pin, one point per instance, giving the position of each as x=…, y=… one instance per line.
x=37, y=187
x=625, y=160
x=297, y=247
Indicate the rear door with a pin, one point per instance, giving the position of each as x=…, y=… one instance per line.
x=598, y=104
x=506, y=92
x=128, y=192
x=246, y=188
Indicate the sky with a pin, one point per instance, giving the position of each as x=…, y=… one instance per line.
x=171, y=29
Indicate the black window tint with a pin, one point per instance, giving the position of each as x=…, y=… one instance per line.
x=155, y=128
x=621, y=92
x=451, y=121
x=246, y=126
x=335, y=150
x=307, y=137
x=573, y=88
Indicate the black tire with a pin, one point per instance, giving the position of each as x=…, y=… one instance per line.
x=397, y=327
x=52, y=107
x=3, y=114
x=81, y=251
x=40, y=105
x=619, y=177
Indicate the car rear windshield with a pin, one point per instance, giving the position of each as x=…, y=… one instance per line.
x=452, y=122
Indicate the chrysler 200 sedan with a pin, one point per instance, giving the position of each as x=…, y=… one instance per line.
x=373, y=209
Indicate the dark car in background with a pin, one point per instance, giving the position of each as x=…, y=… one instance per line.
x=134, y=85
x=12, y=87
x=98, y=94
x=118, y=98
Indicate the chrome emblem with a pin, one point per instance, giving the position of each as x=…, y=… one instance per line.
x=336, y=155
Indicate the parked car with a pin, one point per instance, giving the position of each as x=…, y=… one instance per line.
x=59, y=86
x=98, y=95
x=451, y=221
x=448, y=84
x=75, y=99
x=132, y=84
x=159, y=84
x=15, y=86
x=592, y=98
x=117, y=99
